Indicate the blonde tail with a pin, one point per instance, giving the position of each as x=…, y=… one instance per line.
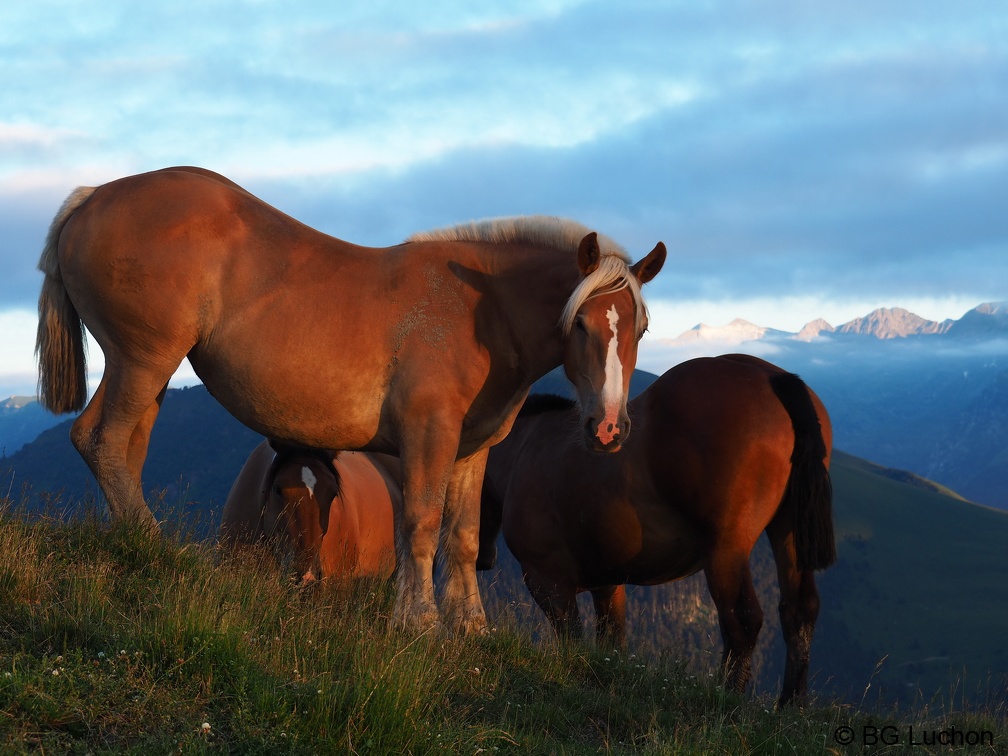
x=59, y=344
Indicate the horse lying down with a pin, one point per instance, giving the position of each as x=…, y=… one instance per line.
x=723, y=449
x=326, y=516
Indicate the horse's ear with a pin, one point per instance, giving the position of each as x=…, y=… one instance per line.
x=588, y=254
x=648, y=268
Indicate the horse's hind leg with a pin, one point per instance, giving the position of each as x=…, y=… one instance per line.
x=739, y=614
x=610, y=615
x=140, y=438
x=112, y=434
x=799, y=608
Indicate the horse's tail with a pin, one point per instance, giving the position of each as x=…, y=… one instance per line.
x=59, y=344
x=809, y=493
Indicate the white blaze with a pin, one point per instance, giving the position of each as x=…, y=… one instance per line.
x=309, y=479
x=612, y=389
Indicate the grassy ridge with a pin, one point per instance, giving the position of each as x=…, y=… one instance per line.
x=114, y=642
x=920, y=582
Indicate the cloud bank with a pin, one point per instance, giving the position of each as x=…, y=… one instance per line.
x=838, y=153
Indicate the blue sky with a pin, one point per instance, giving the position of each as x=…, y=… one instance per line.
x=800, y=159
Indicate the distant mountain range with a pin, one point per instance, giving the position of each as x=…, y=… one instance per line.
x=986, y=321
x=22, y=419
x=901, y=390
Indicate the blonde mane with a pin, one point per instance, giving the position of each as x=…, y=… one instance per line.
x=612, y=273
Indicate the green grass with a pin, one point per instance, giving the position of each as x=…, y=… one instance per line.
x=114, y=642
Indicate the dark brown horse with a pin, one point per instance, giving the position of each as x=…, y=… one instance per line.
x=723, y=449
x=425, y=350
x=325, y=515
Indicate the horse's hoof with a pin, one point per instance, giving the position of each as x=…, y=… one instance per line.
x=475, y=627
x=418, y=623
x=468, y=625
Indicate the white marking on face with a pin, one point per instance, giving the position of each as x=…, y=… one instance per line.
x=309, y=479
x=612, y=388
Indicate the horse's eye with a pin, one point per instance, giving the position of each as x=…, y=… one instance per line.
x=579, y=323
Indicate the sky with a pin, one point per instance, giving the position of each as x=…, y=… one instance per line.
x=799, y=158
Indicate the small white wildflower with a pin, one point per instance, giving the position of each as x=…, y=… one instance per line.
x=55, y=673
x=101, y=654
x=59, y=659
x=607, y=658
x=205, y=727
x=476, y=671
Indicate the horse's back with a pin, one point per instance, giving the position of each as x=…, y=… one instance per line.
x=725, y=391
x=780, y=377
x=240, y=520
x=718, y=440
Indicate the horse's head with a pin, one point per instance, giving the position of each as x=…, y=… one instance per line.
x=301, y=489
x=602, y=323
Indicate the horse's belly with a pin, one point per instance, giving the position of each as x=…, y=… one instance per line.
x=304, y=408
x=643, y=547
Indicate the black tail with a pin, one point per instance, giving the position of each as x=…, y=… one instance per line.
x=809, y=493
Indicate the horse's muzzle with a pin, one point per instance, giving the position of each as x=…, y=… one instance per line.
x=605, y=436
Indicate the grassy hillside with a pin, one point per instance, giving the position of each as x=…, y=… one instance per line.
x=112, y=642
x=919, y=590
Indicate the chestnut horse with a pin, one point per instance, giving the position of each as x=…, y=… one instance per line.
x=425, y=350
x=325, y=515
x=723, y=449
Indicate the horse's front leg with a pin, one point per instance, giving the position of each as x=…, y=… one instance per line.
x=557, y=597
x=610, y=616
x=462, y=608
x=739, y=613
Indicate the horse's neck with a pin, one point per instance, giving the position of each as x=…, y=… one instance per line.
x=532, y=300
x=536, y=435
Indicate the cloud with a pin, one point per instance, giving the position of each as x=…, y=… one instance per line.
x=809, y=155
x=17, y=345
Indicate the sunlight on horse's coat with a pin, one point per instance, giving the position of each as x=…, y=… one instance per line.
x=439, y=340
